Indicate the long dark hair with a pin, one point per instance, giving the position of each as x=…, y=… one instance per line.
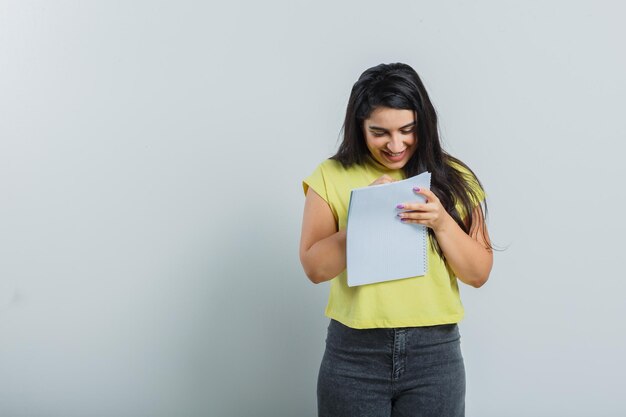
x=398, y=86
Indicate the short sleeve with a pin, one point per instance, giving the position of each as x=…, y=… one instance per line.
x=317, y=181
x=474, y=185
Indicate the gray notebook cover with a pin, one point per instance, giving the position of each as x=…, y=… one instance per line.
x=379, y=247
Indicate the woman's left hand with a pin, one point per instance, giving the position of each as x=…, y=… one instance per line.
x=431, y=213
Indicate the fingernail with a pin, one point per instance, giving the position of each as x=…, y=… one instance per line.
x=400, y=206
x=403, y=220
x=416, y=189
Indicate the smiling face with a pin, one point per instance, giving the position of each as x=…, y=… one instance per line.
x=390, y=135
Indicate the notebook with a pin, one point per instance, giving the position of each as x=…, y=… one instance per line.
x=379, y=247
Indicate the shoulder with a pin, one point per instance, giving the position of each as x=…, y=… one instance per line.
x=332, y=165
x=324, y=174
x=467, y=174
x=473, y=187
x=331, y=174
x=460, y=167
x=333, y=169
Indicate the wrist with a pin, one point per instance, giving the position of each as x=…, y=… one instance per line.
x=445, y=224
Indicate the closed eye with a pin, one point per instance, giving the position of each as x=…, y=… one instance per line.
x=380, y=134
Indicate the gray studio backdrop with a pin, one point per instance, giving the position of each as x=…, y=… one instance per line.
x=151, y=158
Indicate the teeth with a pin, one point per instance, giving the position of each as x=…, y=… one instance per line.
x=395, y=154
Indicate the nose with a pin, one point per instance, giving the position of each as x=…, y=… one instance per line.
x=396, y=144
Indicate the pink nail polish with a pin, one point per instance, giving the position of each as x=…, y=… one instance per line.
x=400, y=206
x=416, y=189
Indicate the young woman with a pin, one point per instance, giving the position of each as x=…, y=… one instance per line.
x=393, y=348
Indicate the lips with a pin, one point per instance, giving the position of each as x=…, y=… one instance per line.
x=393, y=158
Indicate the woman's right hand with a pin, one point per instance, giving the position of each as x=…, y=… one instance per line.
x=385, y=179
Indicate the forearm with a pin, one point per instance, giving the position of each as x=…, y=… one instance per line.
x=326, y=258
x=468, y=258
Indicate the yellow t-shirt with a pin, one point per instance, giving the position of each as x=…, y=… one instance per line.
x=425, y=300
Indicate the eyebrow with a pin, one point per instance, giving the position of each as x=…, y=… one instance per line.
x=381, y=128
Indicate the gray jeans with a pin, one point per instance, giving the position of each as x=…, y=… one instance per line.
x=382, y=372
